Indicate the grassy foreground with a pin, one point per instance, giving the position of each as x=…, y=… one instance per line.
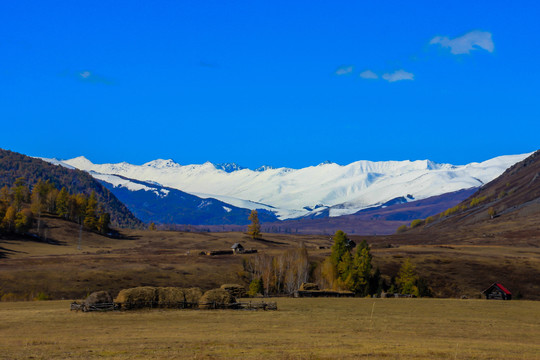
x=301, y=328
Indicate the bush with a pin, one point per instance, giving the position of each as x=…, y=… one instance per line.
x=256, y=287
x=41, y=296
x=416, y=223
x=429, y=220
x=402, y=228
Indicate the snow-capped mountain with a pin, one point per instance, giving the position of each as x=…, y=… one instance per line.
x=328, y=187
x=150, y=201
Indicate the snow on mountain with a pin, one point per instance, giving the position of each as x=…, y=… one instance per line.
x=117, y=181
x=343, y=189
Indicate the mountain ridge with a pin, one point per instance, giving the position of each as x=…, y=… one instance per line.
x=290, y=193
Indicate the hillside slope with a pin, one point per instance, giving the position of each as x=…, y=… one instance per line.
x=512, y=198
x=14, y=165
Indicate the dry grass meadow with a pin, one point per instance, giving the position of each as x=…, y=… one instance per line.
x=300, y=329
x=453, y=266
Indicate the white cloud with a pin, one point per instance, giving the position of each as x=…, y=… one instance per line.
x=398, y=75
x=464, y=44
x=91, y=77
x=344, y=70
x=368, y=74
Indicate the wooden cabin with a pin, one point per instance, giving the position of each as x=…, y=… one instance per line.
x=497, y=292
x=237, y=248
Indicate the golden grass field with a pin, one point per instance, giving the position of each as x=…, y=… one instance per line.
x=346, y=328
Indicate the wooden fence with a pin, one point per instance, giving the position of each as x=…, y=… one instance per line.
x=176, y=305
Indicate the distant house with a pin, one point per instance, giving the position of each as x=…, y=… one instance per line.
x=497, y=292
x=237, y=248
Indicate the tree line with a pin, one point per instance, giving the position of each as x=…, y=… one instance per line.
x=343, y=270
x=21, y=206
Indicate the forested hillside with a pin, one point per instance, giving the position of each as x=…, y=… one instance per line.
x=14, y=166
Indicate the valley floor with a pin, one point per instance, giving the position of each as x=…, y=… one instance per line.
x=67, y=269
x=300, y=329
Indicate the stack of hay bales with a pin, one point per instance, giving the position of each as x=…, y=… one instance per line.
x=170, y=297
x=216, y=298
x=193, y=295
x=309, y=287
x=164, y=297
x=238, y=291
x=136, y=298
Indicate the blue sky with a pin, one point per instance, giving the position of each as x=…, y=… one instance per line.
x=277, y=83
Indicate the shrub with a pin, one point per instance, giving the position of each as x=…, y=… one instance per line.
x=41, y=296
x=477, y=200
x=402, y=228
x=429, y=220
x=416, y=223
x=256, y=287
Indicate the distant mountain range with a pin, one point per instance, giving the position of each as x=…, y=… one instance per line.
x=167, y=192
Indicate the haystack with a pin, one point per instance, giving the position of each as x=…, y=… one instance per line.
x=97, y=298
x=216, y=298
x=170, y=297
x=193, y=295
x=136, y=298
x=238, y=291
x=309, y=287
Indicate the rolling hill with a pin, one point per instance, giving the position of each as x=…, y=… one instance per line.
x=14, y=165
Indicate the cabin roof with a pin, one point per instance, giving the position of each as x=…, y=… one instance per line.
x=237, y=245
x=505, y=290
x=498, y=285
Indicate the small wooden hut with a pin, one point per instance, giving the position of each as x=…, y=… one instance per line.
x=237, y=248
x=497, y=292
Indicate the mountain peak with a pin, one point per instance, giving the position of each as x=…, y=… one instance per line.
x=327, y=162
x=161, y=163
x=79, y=162
x=229, y=167
x=264, y=168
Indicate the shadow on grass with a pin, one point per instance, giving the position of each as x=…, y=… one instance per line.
x=4, y=252
x=269, y=241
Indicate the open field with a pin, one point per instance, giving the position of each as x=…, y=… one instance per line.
x=301, y=328
x=452, y=267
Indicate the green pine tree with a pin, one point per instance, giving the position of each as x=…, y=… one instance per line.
x=406, y=279
x=62, y=203
x=90, y=219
